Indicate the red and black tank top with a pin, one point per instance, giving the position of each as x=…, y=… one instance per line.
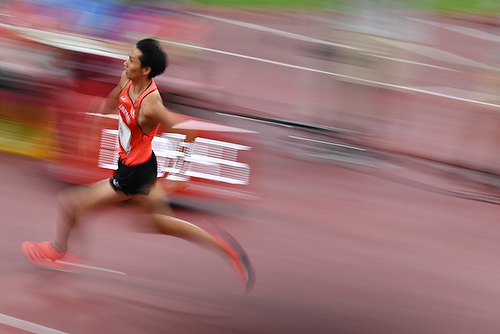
x=135, y=147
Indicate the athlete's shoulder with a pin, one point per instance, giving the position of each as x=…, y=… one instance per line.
x=153, y=102
x=152, y=94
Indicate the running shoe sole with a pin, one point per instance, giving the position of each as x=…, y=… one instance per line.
x=239, y=257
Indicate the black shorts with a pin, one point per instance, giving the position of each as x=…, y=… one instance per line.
x=134, y=180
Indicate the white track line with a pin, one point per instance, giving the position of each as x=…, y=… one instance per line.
x=27, y=326
x=433, y=53
x=92, y=267
x=371, y=82
x=273, y=31
x=460, y=30
x=311, y=39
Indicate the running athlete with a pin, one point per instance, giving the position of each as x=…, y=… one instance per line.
x=141, y=112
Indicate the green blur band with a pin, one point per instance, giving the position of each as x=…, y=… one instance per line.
x=485, y=7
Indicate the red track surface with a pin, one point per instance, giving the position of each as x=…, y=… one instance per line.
x=335, y=251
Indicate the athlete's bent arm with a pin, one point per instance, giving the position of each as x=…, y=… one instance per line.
x=109, y=103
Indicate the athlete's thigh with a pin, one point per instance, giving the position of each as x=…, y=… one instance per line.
x=156, y=201
x=96, y=195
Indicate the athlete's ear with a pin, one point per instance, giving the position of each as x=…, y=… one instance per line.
x=146, y=70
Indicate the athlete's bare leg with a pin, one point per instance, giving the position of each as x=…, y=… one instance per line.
x=74, y=201
x=159, y=213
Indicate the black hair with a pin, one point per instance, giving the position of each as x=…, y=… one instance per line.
x=153, y=56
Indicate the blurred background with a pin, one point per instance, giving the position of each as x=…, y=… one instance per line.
x=384, y=74
x=352, y=147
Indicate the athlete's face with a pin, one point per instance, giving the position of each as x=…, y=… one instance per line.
x=133, y=67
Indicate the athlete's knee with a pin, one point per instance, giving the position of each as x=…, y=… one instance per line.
x=68, y=200
x=165, y=224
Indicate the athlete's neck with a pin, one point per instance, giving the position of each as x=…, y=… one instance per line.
x=138, y=87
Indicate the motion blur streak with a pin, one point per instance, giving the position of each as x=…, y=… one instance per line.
x=350, y=146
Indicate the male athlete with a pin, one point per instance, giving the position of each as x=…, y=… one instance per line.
x=141, y=113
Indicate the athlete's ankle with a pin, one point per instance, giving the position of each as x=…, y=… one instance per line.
x=58, y=249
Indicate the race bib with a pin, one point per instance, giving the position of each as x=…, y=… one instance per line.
x=124, y=134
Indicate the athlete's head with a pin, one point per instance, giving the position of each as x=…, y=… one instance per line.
x=153, y=56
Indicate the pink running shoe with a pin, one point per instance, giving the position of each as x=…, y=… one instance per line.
x=238, y=256
x=44, y=255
